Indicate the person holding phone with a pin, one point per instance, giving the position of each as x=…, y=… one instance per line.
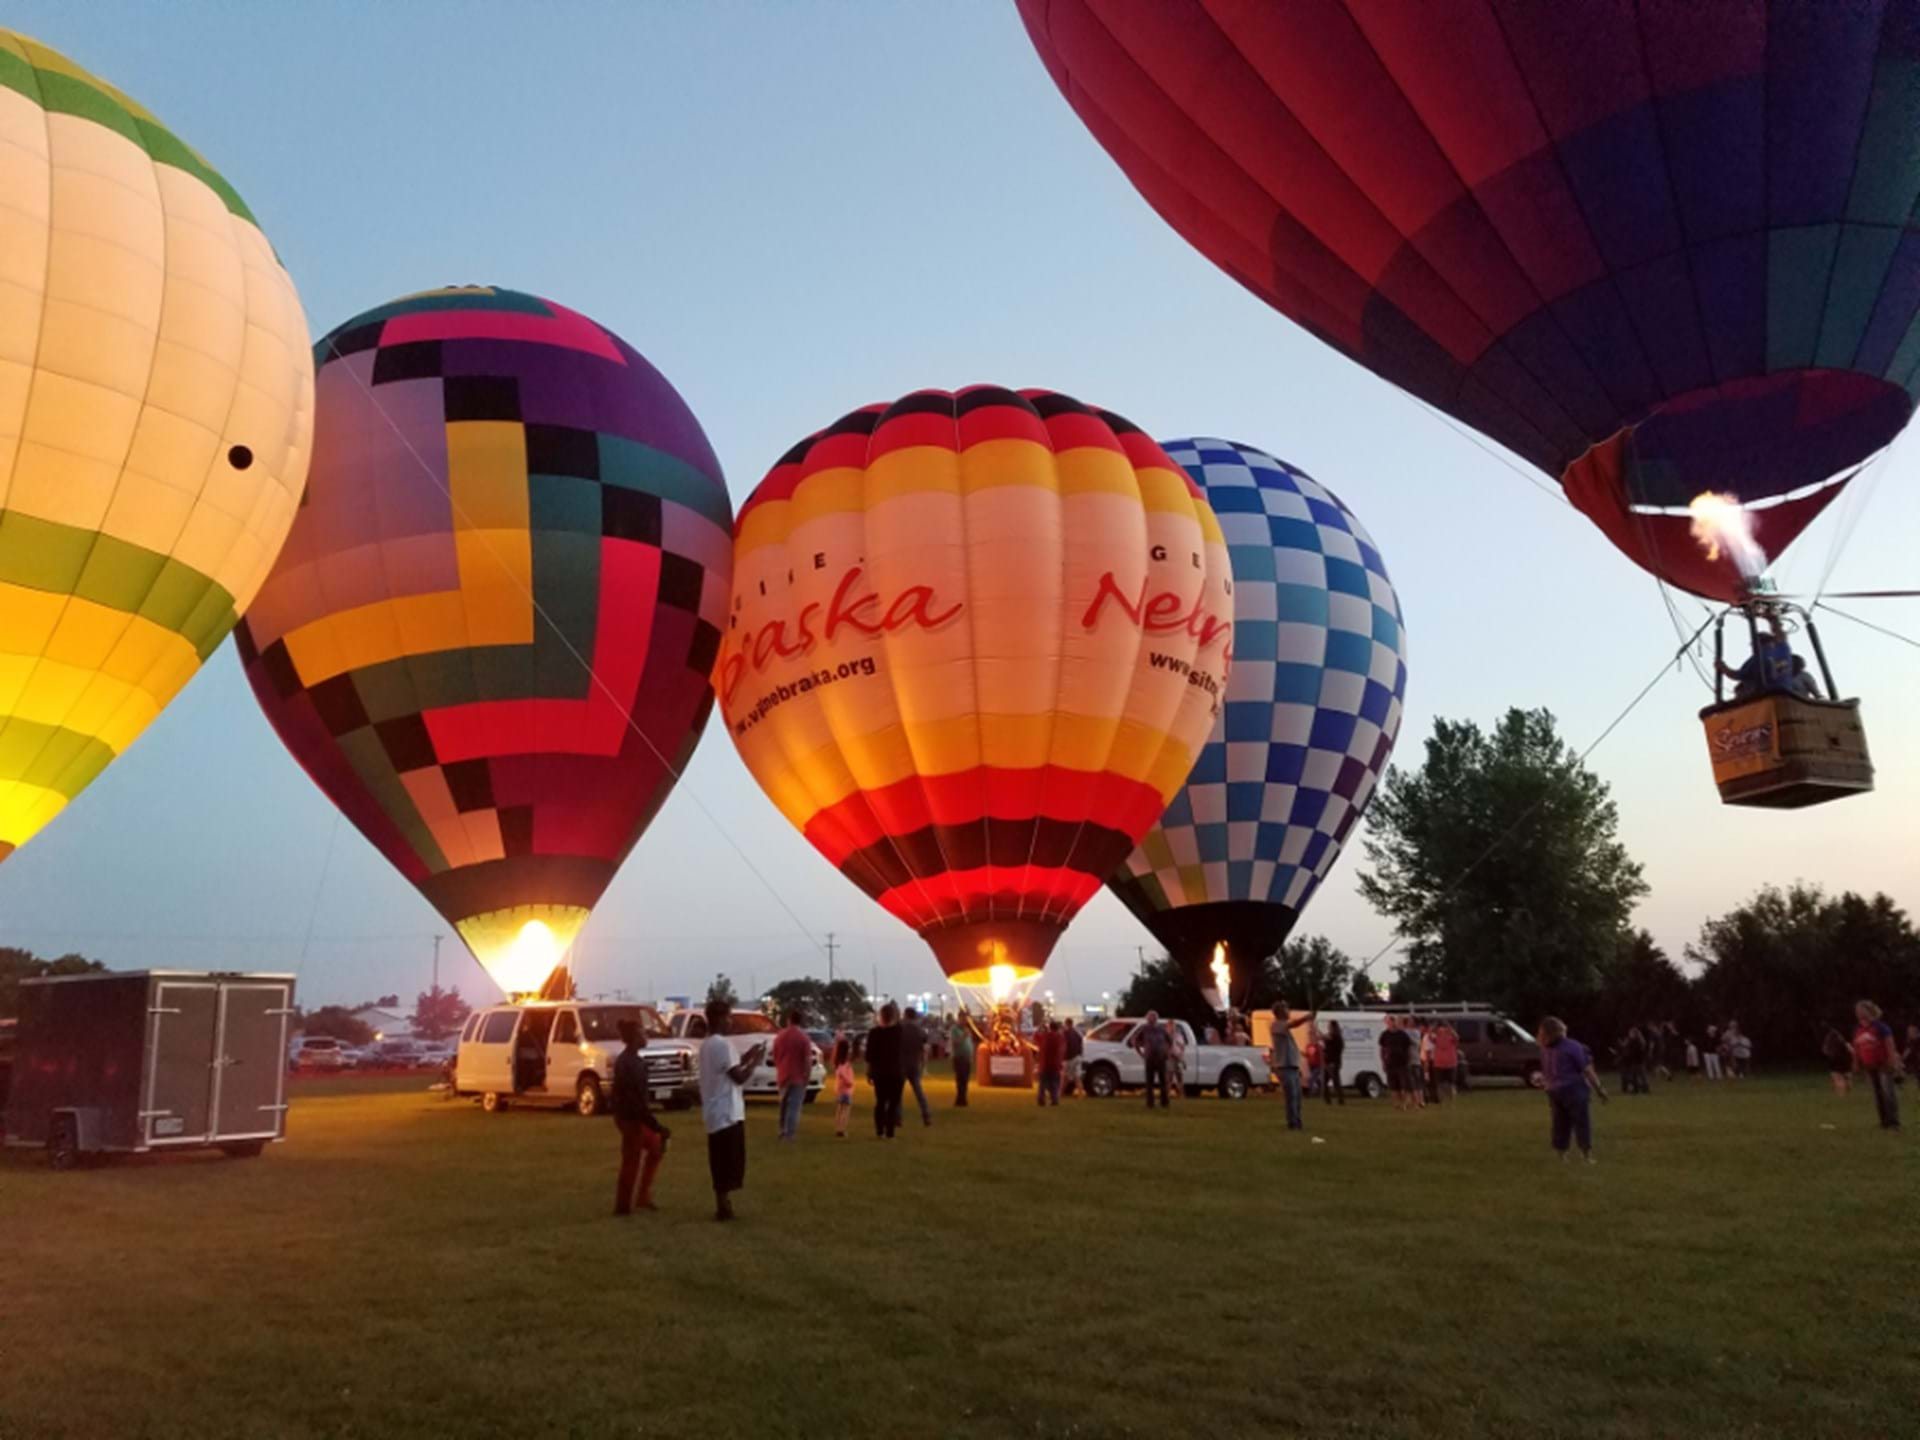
x=723, y=1106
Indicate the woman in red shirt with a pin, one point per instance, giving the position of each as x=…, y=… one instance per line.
x=1873, y=1049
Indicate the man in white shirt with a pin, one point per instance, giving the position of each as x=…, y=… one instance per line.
x=723, y=1106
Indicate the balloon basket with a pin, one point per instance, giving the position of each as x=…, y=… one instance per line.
x=1012, y=1072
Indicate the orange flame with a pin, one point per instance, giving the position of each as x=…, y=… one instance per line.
x=1724, y=527
x=1222, y=975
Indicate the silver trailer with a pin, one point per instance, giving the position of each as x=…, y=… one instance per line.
x=150, y=1060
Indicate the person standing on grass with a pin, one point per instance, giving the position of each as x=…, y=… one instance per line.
x=913, y=1061
x=643, y=1139
x=1741, y=1046
x=1076, y=1049
x=1396, y=1055
x=1155, y=1048
x=961, y=1046
x=1873, y=1048
x=1446, y=1061
x=1839, y=1057
x=1566, y=1068
x=1287, y=1061
x=1177, y=1058
x=1416, y=1033
x=885, y=1072
x=1335, y=1050
x=1633, y=1063
x=1912, y=1057
x=1051, y=1047
x=1316, y=1062
x=1710, y=1052
x=842, y=1086
x=792, y=1069
x=723, y=1106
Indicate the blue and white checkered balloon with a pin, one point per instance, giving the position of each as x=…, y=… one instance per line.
x=1312, y=708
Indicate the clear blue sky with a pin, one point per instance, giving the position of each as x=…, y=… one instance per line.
x=794, y=209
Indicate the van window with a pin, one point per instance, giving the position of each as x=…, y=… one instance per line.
x=696, y=1027
x=472, y=1027
x=566, y=1030
x=1468, y=1031
x=499, y=1027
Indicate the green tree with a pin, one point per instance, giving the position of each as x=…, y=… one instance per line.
x=1160, y=984
x=1789, y=963
x=17, y=965
x=1640, y=984
x=438, y=1013
x=826, y=1003
x=339, y=1022
x=1306, y=973
x=1499, y=863
x=722, y=989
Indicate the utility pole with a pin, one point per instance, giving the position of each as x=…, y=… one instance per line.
x=831, y=947
x=436, y=962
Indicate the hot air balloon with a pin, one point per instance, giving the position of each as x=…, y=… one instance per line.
x=1661, y=250
x=977, y=640
x=1312, y=709
x=156, y=412
x=489, y=637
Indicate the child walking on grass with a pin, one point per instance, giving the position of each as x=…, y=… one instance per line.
x=842, y=1085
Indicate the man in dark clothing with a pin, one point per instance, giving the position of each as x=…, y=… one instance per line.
x=1396, y=1055
x=913, y=1061
x=1052, y=1047
x=884, y=1071
x=642, y=1137
x=1154, y=1045
x=1076, y=1048
x=1334, y=1049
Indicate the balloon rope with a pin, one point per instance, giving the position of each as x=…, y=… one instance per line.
x=1671, y=663
x=319, y=889
x=1890, y=634
x=619, y=705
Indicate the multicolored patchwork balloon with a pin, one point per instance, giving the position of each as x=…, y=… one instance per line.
x=1659, y=250
x=1313, y=706
x=489, y=637
x=976, y=641
x=156, y=413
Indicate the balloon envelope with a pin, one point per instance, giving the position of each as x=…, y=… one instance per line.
x=1656, y=249
x=1312, y=710
x=156, y=412
x=976, y=641
x=489, y=636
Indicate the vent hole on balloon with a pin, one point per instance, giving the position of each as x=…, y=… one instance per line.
x=240, y=457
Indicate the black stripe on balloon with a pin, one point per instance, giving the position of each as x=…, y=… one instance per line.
x=856, y=422
x=921, y=402
x=989, y=396
x=350, y=341
x=469, y=890
x=1119, y=424
x=1048, y=404
x=415, y=360
x=1004, y=844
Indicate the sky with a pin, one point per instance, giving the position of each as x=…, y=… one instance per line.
x=792, y=210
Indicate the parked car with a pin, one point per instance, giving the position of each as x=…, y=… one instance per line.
x=746, y=1029
x=1110, y=1064
x=1493, y=1046
x=561, y=1053
x=317, y=1052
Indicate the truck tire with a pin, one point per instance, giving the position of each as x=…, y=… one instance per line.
x=1103, y=1082
x=1368, y=1086
x=63, y=1143
x=243, y=1149
x=587, y=1100
x=1234, y=1083
x=493, y=1102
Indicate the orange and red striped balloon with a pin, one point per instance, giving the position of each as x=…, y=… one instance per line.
x=977, y=640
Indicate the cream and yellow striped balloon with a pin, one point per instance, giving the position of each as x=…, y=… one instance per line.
x=156, y=415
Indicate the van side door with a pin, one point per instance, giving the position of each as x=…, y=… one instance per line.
x=563, y=1052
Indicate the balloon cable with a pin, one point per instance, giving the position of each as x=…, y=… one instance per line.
x=566, y=642
x=1672, y=663
x=319, y=889
x=1890, y=634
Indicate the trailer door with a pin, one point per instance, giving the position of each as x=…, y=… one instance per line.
x=250, y=1064
x=180, y=1053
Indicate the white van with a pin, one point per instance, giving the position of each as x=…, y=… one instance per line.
x=1491, y=1045
x=561, y=1053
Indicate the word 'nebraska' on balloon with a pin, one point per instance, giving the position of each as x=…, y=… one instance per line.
x=975, y=643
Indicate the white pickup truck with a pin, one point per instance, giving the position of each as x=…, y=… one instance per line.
x=746, y=1029
x=1110, y=1064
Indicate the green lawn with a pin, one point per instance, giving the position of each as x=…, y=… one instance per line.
x=1743, y=1261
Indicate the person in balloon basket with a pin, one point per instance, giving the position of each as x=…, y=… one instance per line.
x=643, y=1139
x=1879, y=1061
x=1156, y=1048
x=1566, y=1068
x=960, y=1047
x=793, y=1068
x=1050, y=1047
x=723, y=1106
x=913, y=1061
x=885, y=1072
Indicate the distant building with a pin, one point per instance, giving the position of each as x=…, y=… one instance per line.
x=385, y=1024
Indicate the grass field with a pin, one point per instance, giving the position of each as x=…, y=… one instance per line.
x=1743, y=1261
